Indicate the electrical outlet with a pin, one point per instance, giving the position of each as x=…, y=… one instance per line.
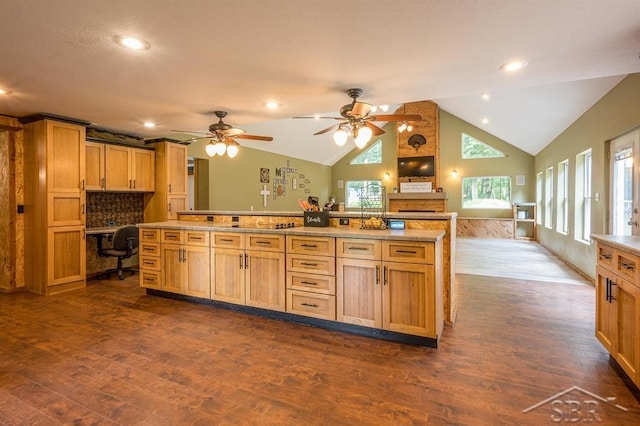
x=209, y=218
x=344, y=221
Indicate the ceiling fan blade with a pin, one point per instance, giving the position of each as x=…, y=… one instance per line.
x=234, y=131
x=254, y=137
x=375, y=130
x=327, y=129
x=317, y=118
x=395, y=117
x=360, y=109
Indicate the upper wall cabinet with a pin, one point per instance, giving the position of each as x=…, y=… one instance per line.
x=119, y=168
x=170, y=195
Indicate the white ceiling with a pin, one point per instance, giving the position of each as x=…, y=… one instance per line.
x=59, y=57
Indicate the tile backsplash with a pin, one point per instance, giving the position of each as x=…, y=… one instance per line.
x=122, y=208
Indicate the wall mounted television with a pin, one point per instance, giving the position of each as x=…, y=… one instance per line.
x=416, y=166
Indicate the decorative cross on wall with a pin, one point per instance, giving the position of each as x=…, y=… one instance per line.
x=265, y=193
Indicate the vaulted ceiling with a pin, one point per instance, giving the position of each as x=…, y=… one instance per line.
x=60, y=57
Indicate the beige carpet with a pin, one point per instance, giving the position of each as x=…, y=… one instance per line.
x=520, y=259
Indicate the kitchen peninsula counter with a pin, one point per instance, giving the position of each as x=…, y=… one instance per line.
x=378, y=283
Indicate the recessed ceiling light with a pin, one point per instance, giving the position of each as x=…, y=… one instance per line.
x=485, y=121
x=384, y=108
x=513, y=66
x=149, y=124
x=486, y=96
x=132, y=42
x=317, y=116
x=5, y=92
x=272, y=105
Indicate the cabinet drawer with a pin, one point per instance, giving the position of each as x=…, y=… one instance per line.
x=197, y=238
x=311, y=264
x=150, y=279
x=172, y=236
x=408, y=251
x=358, y=249
x=325, y=284
x=311, y=304
x=150, y=235
x=149, y=263
x=325, y=246
x=149, y=249
x=227, y=240
x=265, y=242
x=605, y=256
x=627, y=265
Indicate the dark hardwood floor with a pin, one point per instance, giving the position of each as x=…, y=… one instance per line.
x=112, y=355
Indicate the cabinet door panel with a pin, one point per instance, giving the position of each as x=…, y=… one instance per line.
x=94, y=173
x=359, y=292
x=117, y=168
x=174, y=273
x=605, y=318
x=265, y=280
x=176, y=203
x=65, y=157
x=627, y=297
x=66, y=209
x=66, y=253
x=197, y=264
x=177, y=168
x=227, y=275
x=409, y=298
x=143, y=170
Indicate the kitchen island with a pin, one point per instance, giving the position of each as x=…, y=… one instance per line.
x=379, y=283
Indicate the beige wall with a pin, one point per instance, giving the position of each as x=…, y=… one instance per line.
x=234, y=183
x=516, y=162
x=615, y=114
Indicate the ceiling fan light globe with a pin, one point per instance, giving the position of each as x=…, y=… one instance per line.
x=402, y=127
x=232, y=151
x=210, y=148
x=364, y=135
x=409, y=127
x=220, y=148
x=340, y=137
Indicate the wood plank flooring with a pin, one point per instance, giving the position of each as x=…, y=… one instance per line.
x=110, y=354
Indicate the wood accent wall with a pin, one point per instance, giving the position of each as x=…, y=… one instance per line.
x=485, y=227
x=12, y=194
x=430, y=129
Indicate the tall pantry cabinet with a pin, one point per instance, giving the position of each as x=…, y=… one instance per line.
x=55, y=208
x=171, y=187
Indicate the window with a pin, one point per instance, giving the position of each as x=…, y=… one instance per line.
x=562, y=209
x=372, y=155
x=473, y=148
x=353, y=189
x=583, y=197
x=491, y=192
x=548, y=198
x=539, y=194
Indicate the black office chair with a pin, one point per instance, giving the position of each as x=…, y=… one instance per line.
x=124, y=245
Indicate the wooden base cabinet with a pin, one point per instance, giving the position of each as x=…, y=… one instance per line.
x=402, y=295
x=618, y=307
x=248, y=269
x=185, y=262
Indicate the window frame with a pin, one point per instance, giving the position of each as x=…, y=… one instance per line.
x=364, y=182
x=548, y=198
x=562, y=200
x=539, y=197
x=582, y=211
x=508, y=204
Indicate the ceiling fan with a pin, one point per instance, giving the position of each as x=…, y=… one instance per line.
x=222, y=137
x=357, y=121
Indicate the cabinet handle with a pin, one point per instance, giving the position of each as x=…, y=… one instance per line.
x=84, y=234
x=180, y=255
x=627, y=266
x=313, y=305
x=377, y=274
x=605, y=256
x=130, y=184
x=407, y=251
x=309, y=245
x=104, y=183
x=240, y=256
x=169, y=187
x=246, y=261
x=82, y=184
x=308, y=283
x=169, y=207
x=149, y=280
x=611, y=284
x=226, y=240
x=384, y=273
x=134, y=184
x=184, y=255
x=264, y=242
x=308, y=264
x=83, y=208
x=358, y=248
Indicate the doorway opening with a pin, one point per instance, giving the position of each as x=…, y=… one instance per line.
x=198, y=183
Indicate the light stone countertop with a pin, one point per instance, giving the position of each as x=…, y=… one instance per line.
x=329, y=231
x=623, y=242
x=349, y=214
